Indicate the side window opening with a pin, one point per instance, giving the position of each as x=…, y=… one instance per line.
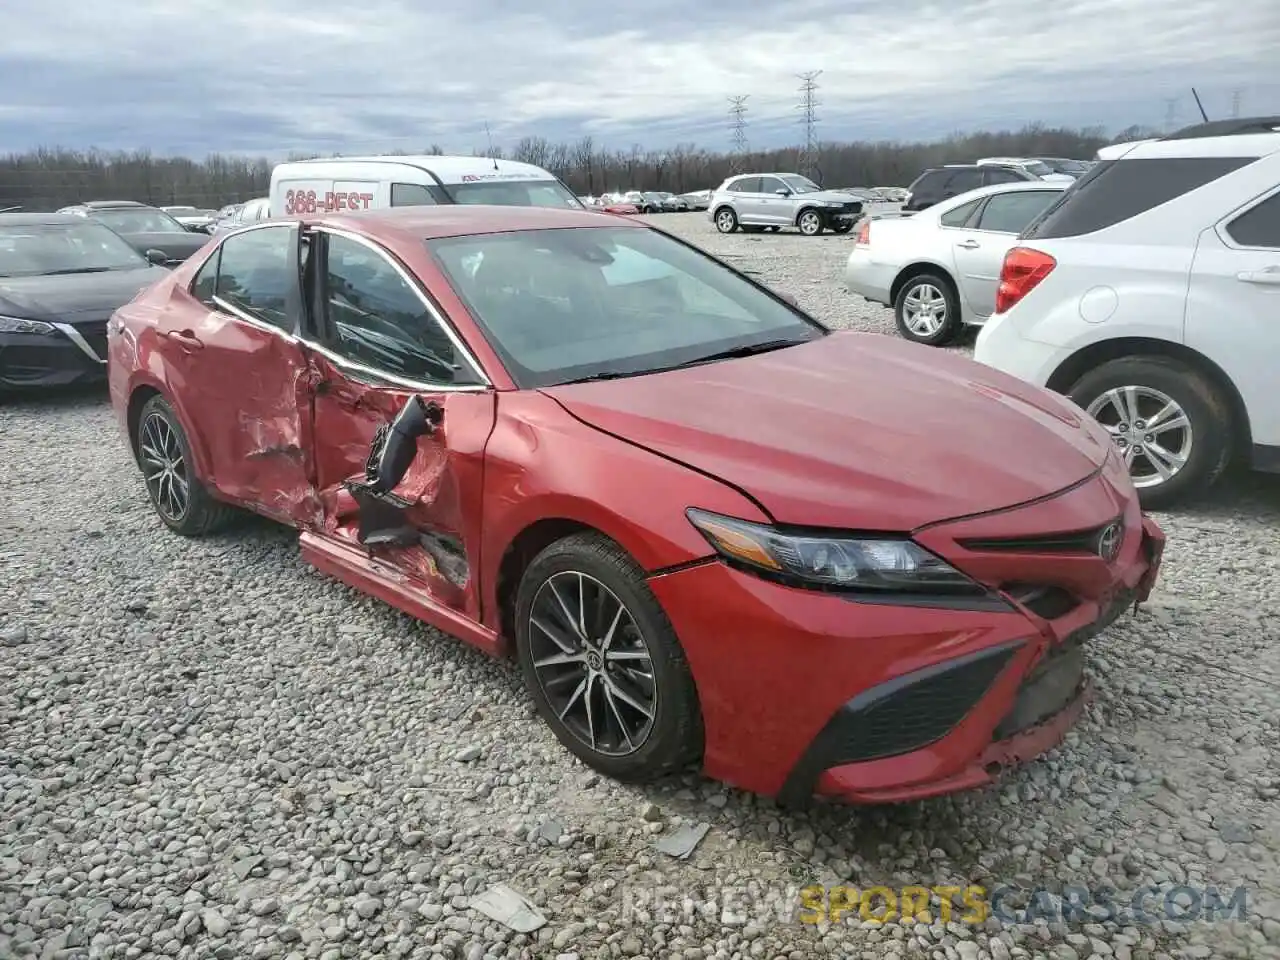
x=205, y=283
x=411, y=195
x=1119, y=190
x=960, y=215
x=254, y=274
x=1259, y=226
x=376, y=319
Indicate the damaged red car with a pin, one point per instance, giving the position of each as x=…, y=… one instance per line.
x=712, y=531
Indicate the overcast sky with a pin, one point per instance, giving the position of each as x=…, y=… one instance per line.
x=277, y=76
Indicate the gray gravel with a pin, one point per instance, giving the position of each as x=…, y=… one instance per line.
x=209, y=749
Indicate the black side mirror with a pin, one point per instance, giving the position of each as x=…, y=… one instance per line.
x=157, y=258
x=395, y=446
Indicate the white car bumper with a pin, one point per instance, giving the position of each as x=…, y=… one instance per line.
x=1001, y=346
x=866, y=278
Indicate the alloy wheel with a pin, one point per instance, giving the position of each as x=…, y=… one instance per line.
x=924, y=310
x=1150, y=430
x=725, y=221
x=592, y=664
x=164, y=468
x=810, y=224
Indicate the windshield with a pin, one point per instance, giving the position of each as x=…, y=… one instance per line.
x=137, y=220
x=561, y=305
x=799, y=184
x=515, y=193
x=45, y=248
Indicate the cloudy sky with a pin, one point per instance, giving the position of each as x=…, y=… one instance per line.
x=277, y=76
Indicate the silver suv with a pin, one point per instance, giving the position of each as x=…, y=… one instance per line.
x=771, y=201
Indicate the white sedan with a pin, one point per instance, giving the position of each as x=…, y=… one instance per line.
x=939, y=268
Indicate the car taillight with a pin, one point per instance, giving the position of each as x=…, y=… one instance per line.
x=1022, y=272
x=864, y=235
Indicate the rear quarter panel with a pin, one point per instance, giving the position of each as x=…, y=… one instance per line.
x=1103, y=291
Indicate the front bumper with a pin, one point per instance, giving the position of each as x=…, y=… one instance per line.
x=70, y=355
x=810, y=694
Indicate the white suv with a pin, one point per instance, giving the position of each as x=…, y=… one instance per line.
x=1150, y=295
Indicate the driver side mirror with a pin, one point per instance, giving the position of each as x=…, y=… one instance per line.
x=783, y=192
x=393, y=450
x=157, y=258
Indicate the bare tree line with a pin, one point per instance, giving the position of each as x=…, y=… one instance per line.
x=49, y=178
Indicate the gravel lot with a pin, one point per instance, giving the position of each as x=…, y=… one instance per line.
x=209, y=749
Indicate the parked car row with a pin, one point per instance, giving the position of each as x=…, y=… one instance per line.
x=1147, y=291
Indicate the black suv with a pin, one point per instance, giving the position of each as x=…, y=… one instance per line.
x=940, y=183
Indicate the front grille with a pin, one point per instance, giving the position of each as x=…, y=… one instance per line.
x=913, y=711
x=1075, y=541
x=94, y=334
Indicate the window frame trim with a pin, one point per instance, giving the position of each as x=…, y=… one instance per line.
x=437, y=315
x=1220, y=228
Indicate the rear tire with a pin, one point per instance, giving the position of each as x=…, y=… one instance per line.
x=927, y=310
x=1191, y=440
x=726, y=220
x=641, y=637
x=178, y=497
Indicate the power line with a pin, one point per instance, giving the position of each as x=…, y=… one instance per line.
x=808, y=104
x=738, y=117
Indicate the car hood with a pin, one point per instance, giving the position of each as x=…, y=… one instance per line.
x=831, y=196
x=857, y=431
x=74, y=295
x=178, y=246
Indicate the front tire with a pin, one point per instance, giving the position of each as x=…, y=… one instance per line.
x=603, y=663
x=178, y=497
x=810, y=223
x=1171, y=424
x=927, y=310
x=726, y=220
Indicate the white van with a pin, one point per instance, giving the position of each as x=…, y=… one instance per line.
x=305, y=187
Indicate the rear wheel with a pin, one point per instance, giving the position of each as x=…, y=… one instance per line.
x=1170, y=423
x=810, y=223
x=164, y=455
x=927, y=310
x=726, y=220
x=603, y=663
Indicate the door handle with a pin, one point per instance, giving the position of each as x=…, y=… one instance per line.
x=185, y=339
x=1271, y=276
x=968, y=245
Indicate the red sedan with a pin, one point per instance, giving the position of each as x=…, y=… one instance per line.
x=710, y=529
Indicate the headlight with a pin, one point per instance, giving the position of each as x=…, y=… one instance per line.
x=18, y=325
x=835, y=561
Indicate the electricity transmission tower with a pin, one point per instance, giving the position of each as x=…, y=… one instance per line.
x=1170, y=112
x=738, y=119
x=1236, y=96
x=808, y=105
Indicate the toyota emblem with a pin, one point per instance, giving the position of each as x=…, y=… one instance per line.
x=1109, y=541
